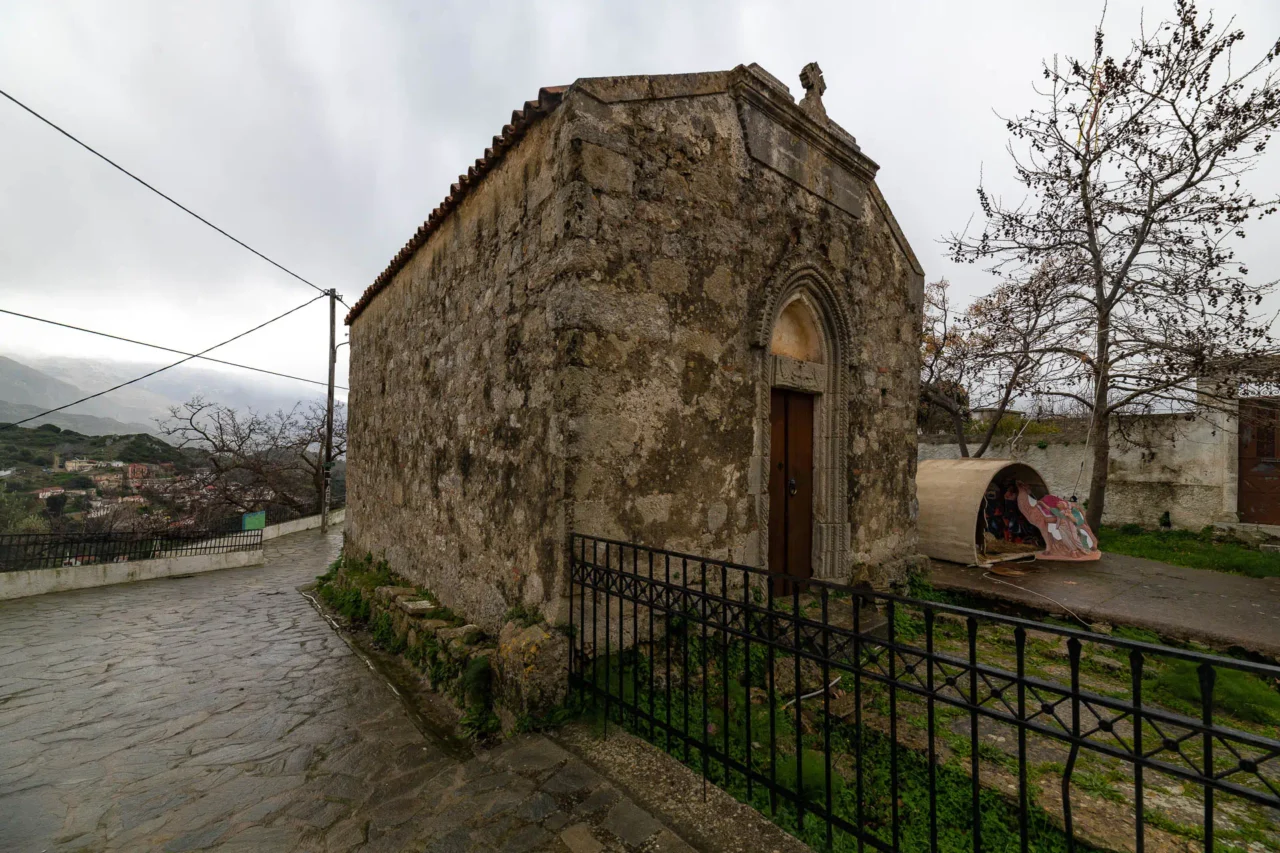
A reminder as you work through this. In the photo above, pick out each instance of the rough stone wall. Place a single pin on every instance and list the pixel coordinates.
(1159, 463)
(684, 232)
(576, 349)
(455, 471)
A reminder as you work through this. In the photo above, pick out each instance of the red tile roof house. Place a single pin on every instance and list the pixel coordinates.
(599, 328)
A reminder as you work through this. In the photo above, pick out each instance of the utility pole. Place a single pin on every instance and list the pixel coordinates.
(328, 419)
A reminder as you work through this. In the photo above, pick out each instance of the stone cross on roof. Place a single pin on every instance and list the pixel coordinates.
(814, 86)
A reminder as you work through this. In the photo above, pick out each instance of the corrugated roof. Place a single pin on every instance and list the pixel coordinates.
(521, 120)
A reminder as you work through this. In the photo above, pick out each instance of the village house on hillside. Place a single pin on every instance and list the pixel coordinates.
(673, 310)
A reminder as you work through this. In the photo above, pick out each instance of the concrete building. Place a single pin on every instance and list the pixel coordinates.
(673, 310)
(112, 480)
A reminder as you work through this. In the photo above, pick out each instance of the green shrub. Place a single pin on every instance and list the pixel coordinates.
(477, 683)
(348, 602)
(424, 653)
(479, 723)
(385, 635)
(523, 615)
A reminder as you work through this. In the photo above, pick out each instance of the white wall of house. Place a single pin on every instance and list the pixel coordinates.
(311, 522)
(1159, 463)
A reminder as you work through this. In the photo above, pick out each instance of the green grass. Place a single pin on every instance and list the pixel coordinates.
(626, 675)
(1193, 550)
(1237, 693)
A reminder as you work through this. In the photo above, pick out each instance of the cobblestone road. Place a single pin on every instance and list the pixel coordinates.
(220, 711)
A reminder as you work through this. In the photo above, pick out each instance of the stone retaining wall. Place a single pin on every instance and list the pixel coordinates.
(41, 581)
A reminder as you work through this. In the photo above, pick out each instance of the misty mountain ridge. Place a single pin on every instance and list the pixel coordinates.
(30, 384)
(83, 424)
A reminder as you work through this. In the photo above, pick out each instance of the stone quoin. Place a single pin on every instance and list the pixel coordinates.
(613, 325)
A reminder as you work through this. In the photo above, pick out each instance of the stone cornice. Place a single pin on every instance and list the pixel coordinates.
(761, 91)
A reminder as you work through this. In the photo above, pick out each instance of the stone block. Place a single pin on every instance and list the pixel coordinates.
(530, 664)
(578, 839)
(668, 842)
(631, 823)
(467, 634)
(421, 607)
(607, 170)
(391, 593)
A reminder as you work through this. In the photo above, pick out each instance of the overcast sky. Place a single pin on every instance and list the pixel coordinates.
(323, 134)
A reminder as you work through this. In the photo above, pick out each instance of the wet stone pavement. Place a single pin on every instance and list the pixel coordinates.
(220, 711)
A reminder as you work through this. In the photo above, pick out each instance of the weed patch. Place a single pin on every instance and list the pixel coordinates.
(1190, 549)
(1239, 694)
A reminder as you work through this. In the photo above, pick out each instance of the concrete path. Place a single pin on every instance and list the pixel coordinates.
(220, 711)
(1218, 609)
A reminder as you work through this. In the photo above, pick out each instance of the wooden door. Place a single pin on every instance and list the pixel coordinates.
(1259, 487)
(790, 486)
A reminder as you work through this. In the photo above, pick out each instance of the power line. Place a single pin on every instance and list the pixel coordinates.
(167, 198)
(166, 367)
(166, 349)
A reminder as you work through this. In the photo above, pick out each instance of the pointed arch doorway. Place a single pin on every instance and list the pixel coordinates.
(790, 487)
(797, 342)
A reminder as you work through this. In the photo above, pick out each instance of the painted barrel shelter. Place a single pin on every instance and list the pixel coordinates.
(952, 494)
(672, 310)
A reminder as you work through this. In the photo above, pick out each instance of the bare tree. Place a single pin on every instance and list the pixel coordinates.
(258, 460)
(987, 356)
(946, 363)
(1134, 169)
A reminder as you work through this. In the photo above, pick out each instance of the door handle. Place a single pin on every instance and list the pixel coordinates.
(791, 486)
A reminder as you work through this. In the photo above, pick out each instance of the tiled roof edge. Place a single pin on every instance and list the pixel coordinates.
(521, 120)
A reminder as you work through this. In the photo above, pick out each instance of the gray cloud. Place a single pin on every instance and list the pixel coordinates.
(323, 133)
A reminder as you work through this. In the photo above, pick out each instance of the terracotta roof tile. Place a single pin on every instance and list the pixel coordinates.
(521, 120)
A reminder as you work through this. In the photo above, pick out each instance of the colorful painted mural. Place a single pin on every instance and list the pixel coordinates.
(1062, 525)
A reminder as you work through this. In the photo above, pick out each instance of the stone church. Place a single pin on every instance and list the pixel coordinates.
(673, 310)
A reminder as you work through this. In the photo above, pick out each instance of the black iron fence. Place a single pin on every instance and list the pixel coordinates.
(861, 720)
(25, 551)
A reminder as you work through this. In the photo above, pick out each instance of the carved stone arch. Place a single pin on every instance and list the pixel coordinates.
(813, 277)
(828, 381)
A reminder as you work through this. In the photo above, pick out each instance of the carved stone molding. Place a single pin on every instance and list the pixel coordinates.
(797, 375)
(809, 280)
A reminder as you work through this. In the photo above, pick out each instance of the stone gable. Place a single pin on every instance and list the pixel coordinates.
(582, 344)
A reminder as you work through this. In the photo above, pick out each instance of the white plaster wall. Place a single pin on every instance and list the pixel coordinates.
(1185, 467)
(41, 581)
(311, 522)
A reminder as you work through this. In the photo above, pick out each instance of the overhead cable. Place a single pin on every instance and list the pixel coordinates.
(166, 349)
(166, 367)
(164, 196)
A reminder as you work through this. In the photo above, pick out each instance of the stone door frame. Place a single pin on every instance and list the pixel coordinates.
(829, 382)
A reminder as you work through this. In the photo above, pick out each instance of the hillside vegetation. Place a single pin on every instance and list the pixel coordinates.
(28, 451)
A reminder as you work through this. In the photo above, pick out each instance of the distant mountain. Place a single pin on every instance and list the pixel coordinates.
(21, 384)
(83, 424)
(240, 390)
(30, 384)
